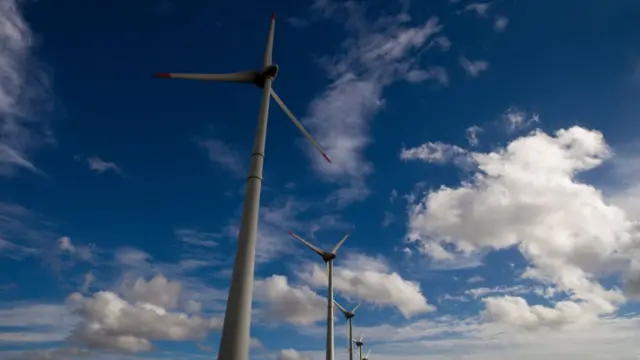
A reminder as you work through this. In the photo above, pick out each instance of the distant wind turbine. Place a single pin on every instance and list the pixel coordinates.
(366, 357)
(349, 316)
(235, 340)
(328, 259)
(359, 344)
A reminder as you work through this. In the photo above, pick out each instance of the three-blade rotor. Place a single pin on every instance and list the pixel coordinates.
(269, 70)
(326, 255)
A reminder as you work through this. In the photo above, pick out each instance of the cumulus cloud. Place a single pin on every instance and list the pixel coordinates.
(110, 322)
(526, 196)
(475, 279)
(376, 55)
(370, 279)
(297, 305)
(158, 291)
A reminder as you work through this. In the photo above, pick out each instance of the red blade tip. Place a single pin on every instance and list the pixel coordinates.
(326, 157)
(273, 15)
(290, 232)
(162, 75)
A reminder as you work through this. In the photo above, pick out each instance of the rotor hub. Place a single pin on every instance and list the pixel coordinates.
(328, 256)
(268, 72)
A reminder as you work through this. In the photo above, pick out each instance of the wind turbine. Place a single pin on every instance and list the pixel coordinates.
(349, 316)
(235, 340)
(359, 344)
(366, 357)
(328, 259)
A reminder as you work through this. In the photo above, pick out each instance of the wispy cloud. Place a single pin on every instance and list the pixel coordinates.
(480, 8)
(297, 22)
(24, 93)
(223, 155)
(500, 23)
(473, 68)
(472, 135)
(515, 119)
(377, 54)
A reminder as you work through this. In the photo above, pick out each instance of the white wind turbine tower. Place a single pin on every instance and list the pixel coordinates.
(234, 343)
(328, 259)
(349, 316)
(359, 344)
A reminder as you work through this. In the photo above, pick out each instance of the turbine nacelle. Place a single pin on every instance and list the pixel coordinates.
(359, 343)
(269, 72)
(347, 314)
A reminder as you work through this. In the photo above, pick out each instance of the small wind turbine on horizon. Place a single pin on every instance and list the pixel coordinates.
(359, 344)
(366, 357)
(235, 339)
(349, 316)
(328, 259)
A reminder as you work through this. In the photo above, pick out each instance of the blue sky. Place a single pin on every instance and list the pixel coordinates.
(484, 159)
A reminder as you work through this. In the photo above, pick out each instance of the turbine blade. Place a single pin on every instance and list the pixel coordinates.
(308, 244)
(299, 125)
(335, 249)
(249, 76)
(369, 353)
(355, 308)
(269, 49)
(344, 311)
(361, 336)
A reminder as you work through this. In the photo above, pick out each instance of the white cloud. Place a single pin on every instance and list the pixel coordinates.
(475, 279)
(198, 238)
(500, 23)
(297, 305)
(435, 72)
(484, 291)
(109, 322)
(101, 166)
(442, 42)
(393, 196)
(375, 56)
(473, 68)
(480, 8)
(472, 135)
(24, 93)
(370, 280)
(516, 120)
(158, 291)
(221, 154)
(388, 219)
(131, 257)
(66, 245)
(436, 153)
(290, 354)
(526, 196)
(89, 278)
